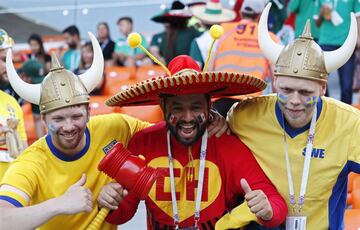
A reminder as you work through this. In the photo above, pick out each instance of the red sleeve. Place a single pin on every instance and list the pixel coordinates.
(246, 166)
(128, 207)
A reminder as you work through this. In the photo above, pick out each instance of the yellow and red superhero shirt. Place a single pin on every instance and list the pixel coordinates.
(43, 172)
(227, 161)
(336, 152)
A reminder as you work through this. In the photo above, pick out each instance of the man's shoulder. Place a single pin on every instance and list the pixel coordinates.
(335, 106)
(229, 140)
(152, 131)
(112, 120)
(254, 103)
(36, 152)
(7, 97)
(230, 147)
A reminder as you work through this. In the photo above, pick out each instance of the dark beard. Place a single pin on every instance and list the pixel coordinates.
(174, 131)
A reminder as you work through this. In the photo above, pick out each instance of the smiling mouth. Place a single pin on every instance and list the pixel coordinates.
(69, 135)
(187, 130)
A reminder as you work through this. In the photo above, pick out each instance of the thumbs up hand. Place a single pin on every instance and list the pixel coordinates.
(257, 201)
(76, 199)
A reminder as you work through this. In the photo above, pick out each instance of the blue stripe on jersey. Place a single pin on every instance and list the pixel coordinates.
(337, 201)
(74, 157)
(290, 131)
(11, 201)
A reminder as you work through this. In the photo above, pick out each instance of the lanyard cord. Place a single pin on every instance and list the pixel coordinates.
(306, 168)
(200, 181)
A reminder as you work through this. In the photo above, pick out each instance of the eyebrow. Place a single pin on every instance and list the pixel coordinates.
(179, 104)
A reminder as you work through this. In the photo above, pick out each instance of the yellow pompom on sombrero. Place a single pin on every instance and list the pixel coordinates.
(184, 76)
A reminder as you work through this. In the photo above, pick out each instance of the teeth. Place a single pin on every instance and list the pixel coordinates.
(69, 135)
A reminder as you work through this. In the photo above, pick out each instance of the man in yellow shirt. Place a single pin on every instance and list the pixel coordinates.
(311, 139)
(58, 174)
(12, 132)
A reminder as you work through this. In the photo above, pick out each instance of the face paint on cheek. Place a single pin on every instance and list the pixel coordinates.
(172, 119)
(201, 118)
(51, 128)
(282, 99)
(310, 101)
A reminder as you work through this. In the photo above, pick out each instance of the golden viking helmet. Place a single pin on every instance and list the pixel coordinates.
(303, 58)
(60, 88)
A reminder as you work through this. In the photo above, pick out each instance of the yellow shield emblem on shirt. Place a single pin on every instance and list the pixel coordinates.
(186, 181)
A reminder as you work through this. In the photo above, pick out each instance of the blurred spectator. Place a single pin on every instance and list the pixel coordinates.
(238, 49)
(4, 81)
(12, 131)
(87, 55)
(71, 57)
(277, 15)
(124, 55)
(33, 70)
(106, 43)
(304, 9)
(177, 37)
(38, 52)
(333, 18)
(209, 14)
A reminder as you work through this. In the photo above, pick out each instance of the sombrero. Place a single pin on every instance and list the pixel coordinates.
(184, 76)
(212, 12)
(177, 12)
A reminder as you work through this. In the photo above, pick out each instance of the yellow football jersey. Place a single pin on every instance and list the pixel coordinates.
(42, 172)
(8, 102)
(336, 152)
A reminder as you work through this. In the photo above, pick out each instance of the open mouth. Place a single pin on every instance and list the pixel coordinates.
(187, 130)
(69, 136)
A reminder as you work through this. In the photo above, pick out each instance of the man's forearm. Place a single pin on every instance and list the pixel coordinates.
(26, 217)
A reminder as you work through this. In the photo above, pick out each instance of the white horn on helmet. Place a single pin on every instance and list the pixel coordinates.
(29, 92)
(270, 48)
(92, 77)
(335, 59)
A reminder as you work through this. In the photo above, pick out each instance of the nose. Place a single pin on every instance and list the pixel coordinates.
(68, 125)
(295, 99)
(188, 115)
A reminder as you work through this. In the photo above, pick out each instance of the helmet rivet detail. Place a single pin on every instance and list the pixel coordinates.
(67, 100)
(299, 53)
(295, 70)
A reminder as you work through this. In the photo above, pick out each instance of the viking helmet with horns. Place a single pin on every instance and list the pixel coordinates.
(303, 58)
(60, 88)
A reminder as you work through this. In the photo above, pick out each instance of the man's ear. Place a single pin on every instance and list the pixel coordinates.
(323, 89)
(162, 104)
(163, 107)
(43, 120)
(273, 82)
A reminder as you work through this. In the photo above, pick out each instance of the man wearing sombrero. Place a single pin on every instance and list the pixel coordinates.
(202, 175)
(309, 142)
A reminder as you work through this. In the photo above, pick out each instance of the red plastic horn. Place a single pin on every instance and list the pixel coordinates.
(129, 170)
